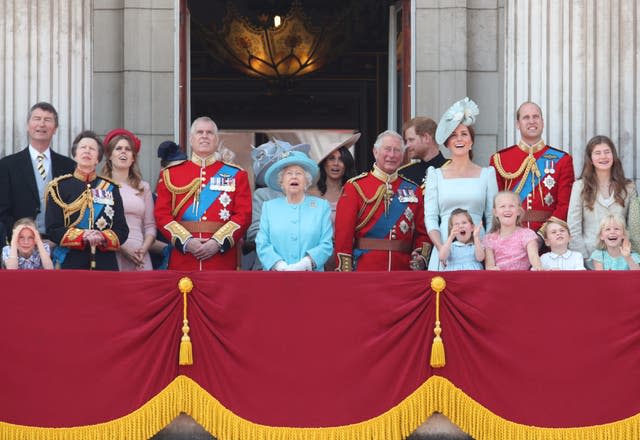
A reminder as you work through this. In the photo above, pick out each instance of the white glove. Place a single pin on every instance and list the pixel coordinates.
(303, 265)
(280, 266)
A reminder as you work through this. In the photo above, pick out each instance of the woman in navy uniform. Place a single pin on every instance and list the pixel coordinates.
(84, 212)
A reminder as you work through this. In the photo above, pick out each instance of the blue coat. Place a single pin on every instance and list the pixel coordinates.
(289, 232)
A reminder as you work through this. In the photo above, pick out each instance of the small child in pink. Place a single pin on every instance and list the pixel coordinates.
(509, 246)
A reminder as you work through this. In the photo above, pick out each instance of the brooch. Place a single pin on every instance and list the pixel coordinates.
(549, 182)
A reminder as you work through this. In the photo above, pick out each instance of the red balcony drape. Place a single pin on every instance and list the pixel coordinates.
(83, 350)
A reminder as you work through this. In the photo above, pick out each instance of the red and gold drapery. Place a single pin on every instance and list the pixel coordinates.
(320, 356)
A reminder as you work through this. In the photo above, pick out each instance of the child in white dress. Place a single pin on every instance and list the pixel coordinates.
(557, 237)
(463, 249)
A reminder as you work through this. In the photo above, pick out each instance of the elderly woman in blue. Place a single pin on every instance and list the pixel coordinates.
(295, 231)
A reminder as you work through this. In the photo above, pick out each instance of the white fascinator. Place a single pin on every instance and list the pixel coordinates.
(462, 112)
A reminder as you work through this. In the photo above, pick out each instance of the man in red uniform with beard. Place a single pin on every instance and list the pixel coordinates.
(380, 215)
(203, 205)
(541, 175)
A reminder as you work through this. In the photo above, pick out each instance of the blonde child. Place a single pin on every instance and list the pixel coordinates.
(463, 249)
(507, 245)
(557, 237)
(614, 248)
(27, 250)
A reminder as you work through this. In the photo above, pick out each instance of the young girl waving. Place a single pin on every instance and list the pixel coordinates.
(507, 245)
(614, 248)
(463, 249)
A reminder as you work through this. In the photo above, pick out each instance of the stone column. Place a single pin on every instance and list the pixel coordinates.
(459, 52)
(578, 60)
(45, 48)
(134, 73)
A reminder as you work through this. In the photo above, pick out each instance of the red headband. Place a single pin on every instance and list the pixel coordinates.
(122, 132)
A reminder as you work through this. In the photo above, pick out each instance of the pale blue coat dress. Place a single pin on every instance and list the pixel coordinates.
(441, 196)
(290, 231)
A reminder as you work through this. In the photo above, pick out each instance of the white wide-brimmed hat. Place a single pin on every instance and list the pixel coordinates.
(286, 159)
(347, 142)
(462, 112)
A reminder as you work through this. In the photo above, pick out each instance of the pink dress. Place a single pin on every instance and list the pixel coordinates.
(138, 210)
(510, 252)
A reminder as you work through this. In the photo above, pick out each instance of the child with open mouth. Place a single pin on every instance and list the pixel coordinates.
(463, 249)
(614, 248)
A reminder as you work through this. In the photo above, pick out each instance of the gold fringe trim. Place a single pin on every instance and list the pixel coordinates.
(142, 423)
(437, 394)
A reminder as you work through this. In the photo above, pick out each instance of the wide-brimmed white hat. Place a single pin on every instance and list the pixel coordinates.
(462, 112)
(286, 159)
(268, 153)
(347, 142)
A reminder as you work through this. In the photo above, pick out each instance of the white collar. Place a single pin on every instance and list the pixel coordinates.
(35, 153)
(564, 256)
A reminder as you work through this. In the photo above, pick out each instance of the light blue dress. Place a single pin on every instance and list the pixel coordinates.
(612, 263)
(441, 196)
(462, 256)
(291, 231)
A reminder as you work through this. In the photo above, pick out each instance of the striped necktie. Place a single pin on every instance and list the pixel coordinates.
(41, 170)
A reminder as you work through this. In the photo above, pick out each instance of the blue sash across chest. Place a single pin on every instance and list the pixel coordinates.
(384, 223)
(550, 156)
(208, 196)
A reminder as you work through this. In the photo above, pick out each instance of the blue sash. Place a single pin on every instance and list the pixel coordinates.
(60, 253)
(527, 188)
(207, 195)
(385, 222)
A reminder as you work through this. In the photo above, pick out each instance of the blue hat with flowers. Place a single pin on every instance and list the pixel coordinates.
(286, 159)
(462, 112)
(266, 155)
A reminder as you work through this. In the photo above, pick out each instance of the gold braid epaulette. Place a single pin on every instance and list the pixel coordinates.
(83, 202)
(527, 165)
(192, 189)
(377, 198)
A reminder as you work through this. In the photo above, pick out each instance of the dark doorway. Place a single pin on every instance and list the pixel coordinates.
(349, 92)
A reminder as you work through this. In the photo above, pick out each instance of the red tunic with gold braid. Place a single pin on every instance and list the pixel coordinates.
(541, 175)
(361, 243)
(203, 199)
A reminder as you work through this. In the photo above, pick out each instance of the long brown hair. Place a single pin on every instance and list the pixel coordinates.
(590, 180)
(135, 177)
(472, 134)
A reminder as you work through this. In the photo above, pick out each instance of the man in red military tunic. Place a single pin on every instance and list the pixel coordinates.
(541, 175)
(203, 205)
(380, 215)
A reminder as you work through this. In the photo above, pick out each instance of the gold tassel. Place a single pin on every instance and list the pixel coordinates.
(438, 359)
(186, 352)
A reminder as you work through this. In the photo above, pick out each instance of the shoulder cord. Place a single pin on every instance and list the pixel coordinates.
(528, 165)
(377, 198)
(80, 205)
(192, 189)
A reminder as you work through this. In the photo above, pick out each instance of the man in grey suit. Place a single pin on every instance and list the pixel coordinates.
(25, 175)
